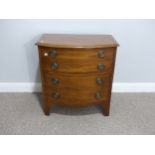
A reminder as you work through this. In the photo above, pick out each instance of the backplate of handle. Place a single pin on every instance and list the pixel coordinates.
(100, 53)
(55, 81)
(100, 67)
(99, 80)
(53, 53)
(56, 95)
(54, 66)
(98, 95)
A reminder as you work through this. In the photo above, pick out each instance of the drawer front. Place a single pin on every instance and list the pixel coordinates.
(79, 90)
(77, 60)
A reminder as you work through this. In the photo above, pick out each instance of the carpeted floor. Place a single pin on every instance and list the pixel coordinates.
(21, 113)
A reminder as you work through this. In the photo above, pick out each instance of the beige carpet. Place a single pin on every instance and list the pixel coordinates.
(21, 113)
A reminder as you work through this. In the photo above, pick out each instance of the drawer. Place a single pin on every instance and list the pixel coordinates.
(77, 60)
(76, 99)
(78, 81)
(79, 90)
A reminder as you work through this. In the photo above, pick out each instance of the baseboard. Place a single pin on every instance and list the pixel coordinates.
(20, 87)
(133, 87)
(117, 87)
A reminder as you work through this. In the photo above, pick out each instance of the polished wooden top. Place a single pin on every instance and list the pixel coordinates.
(77, 41)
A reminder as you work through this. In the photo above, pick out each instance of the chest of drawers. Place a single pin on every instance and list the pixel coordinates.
(76, 70)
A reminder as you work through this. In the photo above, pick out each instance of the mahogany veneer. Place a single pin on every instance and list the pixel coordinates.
(77, 70)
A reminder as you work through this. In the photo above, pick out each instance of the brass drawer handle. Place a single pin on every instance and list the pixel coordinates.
(55, 81)
(99, 81)
(98, 95)
(53, 53)
(56, 95)
(100, 67)
(100, 53)
(54, 66)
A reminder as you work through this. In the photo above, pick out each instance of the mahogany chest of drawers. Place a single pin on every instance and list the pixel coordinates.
(77, 70)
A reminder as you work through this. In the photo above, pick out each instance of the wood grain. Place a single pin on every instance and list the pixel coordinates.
(77, 59)
(77, 41)
(77, 90)
(76, 81)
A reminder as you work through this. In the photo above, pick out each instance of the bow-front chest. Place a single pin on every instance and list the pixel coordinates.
(77, 70)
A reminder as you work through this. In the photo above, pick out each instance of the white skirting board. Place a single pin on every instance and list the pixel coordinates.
(20, 87)
(117, 87)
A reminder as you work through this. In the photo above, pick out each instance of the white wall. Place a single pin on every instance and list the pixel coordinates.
(135, 59)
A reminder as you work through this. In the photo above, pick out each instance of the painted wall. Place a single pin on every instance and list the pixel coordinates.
(135, 59)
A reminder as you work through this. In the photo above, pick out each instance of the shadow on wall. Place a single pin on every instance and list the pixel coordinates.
(33, 62)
